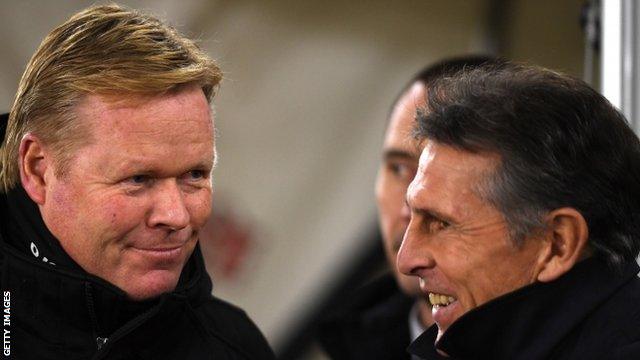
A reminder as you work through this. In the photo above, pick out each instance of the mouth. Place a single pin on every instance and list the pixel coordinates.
(445, 309)
(164, 253)
(440, 300)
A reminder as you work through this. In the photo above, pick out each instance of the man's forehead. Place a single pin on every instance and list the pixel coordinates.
(449, 161)
(412, 99)
(446, 177)
(150, 124)
(123, 101)
(399, 134)
(126, 108)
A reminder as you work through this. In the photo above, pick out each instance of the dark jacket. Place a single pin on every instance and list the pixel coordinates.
(372, 324)
(592, 312)
(61, 312)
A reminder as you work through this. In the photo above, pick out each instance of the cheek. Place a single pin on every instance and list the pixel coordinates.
(64, 199)
(380, 188)
(66, 208)
(518, 270)
(486, 276)
(390, 201)
(465, 270)
(388, 226)
(199, 206)
(118, 215)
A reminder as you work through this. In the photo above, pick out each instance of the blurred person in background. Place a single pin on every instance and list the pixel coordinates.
(106, 182)
(525, 219)
(382, 318)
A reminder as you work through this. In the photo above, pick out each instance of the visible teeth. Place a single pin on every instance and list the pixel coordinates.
(440, 300)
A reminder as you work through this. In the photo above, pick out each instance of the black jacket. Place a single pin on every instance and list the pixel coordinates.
(372, 324)
(61, 312)
(592, 312)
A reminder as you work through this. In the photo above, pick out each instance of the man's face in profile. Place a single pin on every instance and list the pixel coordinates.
(399, 164)
(133, 200)
(458, 243)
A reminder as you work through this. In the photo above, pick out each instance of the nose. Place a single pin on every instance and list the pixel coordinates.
(169, 209)
(414, 256)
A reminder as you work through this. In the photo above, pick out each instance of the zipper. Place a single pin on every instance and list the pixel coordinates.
(101, 341)
(88, 295)
(108, 343)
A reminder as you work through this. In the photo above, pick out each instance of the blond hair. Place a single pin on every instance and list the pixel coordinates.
(104, 50)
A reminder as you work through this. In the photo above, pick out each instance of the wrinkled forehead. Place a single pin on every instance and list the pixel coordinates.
(450, 164)
(178, 111)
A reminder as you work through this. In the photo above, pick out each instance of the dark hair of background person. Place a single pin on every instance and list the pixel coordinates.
(561, 144)
(446, 67)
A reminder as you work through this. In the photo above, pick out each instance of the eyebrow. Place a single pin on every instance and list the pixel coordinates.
(397, 154)
(136, 164)
(435, 214)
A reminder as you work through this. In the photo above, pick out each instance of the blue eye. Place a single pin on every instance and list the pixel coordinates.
(139, 179)
(196, 174)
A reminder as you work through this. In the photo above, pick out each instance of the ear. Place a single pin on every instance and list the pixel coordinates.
(566, 241)
(33, 161)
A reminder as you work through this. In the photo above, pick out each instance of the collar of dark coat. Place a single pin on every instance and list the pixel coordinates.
(530, 322)
(25, 230)
(370, 323)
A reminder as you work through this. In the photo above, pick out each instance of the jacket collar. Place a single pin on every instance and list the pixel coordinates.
(375, 312)
(529, 322)
(26, 231)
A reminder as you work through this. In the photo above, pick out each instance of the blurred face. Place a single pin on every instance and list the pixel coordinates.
(457, 243)
(399, 163)
(130, 207)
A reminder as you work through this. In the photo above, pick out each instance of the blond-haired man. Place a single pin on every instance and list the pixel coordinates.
(106, 182)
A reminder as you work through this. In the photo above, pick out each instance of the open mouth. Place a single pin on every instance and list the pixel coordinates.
(440, 300)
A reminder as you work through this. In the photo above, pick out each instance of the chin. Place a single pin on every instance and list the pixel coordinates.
(152, 285)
